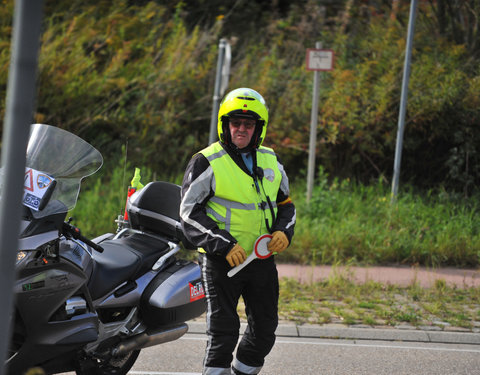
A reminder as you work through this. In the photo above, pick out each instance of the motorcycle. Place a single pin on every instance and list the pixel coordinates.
(90, 305)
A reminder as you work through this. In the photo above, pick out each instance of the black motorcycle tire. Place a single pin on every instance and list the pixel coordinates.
(114, 366)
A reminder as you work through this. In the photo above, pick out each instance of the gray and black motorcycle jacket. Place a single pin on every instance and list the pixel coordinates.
(199, 186)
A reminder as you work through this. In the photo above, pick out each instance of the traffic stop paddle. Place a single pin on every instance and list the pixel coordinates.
(260, 251)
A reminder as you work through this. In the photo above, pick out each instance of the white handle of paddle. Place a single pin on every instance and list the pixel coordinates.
(234, 270)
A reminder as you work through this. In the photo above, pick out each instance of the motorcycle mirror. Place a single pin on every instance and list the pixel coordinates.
(48, 194)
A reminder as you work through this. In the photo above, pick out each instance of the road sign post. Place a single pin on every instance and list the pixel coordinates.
(317, 60)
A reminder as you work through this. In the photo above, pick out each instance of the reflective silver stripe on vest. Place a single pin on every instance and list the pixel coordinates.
(232, 204)
(216, 155)
(274, 204)
(229, 205)
(215, 214)
(245, 368)
(264, 151)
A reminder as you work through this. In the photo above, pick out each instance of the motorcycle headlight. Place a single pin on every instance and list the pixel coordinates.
(20, 256)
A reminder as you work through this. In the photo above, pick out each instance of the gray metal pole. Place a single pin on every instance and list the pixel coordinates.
(227, 61)
(313, 130)
(403, 100)
(216, 94)
(18, 117)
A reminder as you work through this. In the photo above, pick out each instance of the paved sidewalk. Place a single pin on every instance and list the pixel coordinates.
(402, 276)
(340, 331)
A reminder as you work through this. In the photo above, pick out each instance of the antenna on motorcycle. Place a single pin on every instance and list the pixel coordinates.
(125, 167)
(121, 220)
(135, 185)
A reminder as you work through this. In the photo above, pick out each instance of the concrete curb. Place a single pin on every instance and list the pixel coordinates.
(338, 331)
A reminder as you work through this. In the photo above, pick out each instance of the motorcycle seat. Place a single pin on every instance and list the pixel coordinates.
(123, 259)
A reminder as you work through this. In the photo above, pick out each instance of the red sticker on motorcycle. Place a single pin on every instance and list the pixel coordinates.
(196, 291)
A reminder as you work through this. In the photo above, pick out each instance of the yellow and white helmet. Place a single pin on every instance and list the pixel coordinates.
(243, 102)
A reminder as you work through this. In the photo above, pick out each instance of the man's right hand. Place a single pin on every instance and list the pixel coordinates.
(236, 256)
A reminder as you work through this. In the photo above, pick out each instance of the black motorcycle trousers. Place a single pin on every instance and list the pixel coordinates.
(257, 284)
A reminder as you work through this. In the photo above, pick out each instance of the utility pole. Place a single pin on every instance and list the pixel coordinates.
(18, 117)
(403, 101)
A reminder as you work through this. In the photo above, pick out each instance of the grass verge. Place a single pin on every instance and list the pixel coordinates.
(346, 222)
(340, 300)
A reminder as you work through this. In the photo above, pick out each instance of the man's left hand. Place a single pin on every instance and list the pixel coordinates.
(278, 243)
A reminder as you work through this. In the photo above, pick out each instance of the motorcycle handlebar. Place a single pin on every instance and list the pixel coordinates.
(75, 233)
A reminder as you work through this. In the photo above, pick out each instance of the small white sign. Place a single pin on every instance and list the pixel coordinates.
(34, 187)
(319, 59)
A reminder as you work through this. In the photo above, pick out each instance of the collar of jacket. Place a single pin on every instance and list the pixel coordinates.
(234, 153)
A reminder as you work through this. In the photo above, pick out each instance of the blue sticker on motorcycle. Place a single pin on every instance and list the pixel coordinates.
(43, 181)
(35, 186)
(31, 201)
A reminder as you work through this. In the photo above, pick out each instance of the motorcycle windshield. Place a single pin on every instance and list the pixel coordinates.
(65, 157)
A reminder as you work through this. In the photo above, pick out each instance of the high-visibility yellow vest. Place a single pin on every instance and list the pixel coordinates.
(238, 206)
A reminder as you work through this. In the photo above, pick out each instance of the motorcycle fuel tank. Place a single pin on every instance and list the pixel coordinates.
(174, 296)
(76, 252)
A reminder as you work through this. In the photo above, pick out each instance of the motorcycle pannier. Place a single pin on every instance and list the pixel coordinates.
(155, 208)
(174, 296)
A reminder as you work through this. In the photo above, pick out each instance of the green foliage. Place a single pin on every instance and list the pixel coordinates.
(103, 198)
(350, 222)
(119, 72)
(142, 73)
(344, 223)
(360, 114)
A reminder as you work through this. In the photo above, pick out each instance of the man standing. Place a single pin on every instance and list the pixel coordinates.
(233, 192)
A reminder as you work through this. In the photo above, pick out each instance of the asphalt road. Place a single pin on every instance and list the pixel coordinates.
(312, 356)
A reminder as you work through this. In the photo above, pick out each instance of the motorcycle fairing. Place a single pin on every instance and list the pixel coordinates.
(41, 312)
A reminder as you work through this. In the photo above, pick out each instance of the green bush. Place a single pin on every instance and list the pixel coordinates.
(142, 73)
(349, 222)
(344, 223)
(103, 197)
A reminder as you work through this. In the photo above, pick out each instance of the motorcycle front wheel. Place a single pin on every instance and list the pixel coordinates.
(114, 366)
